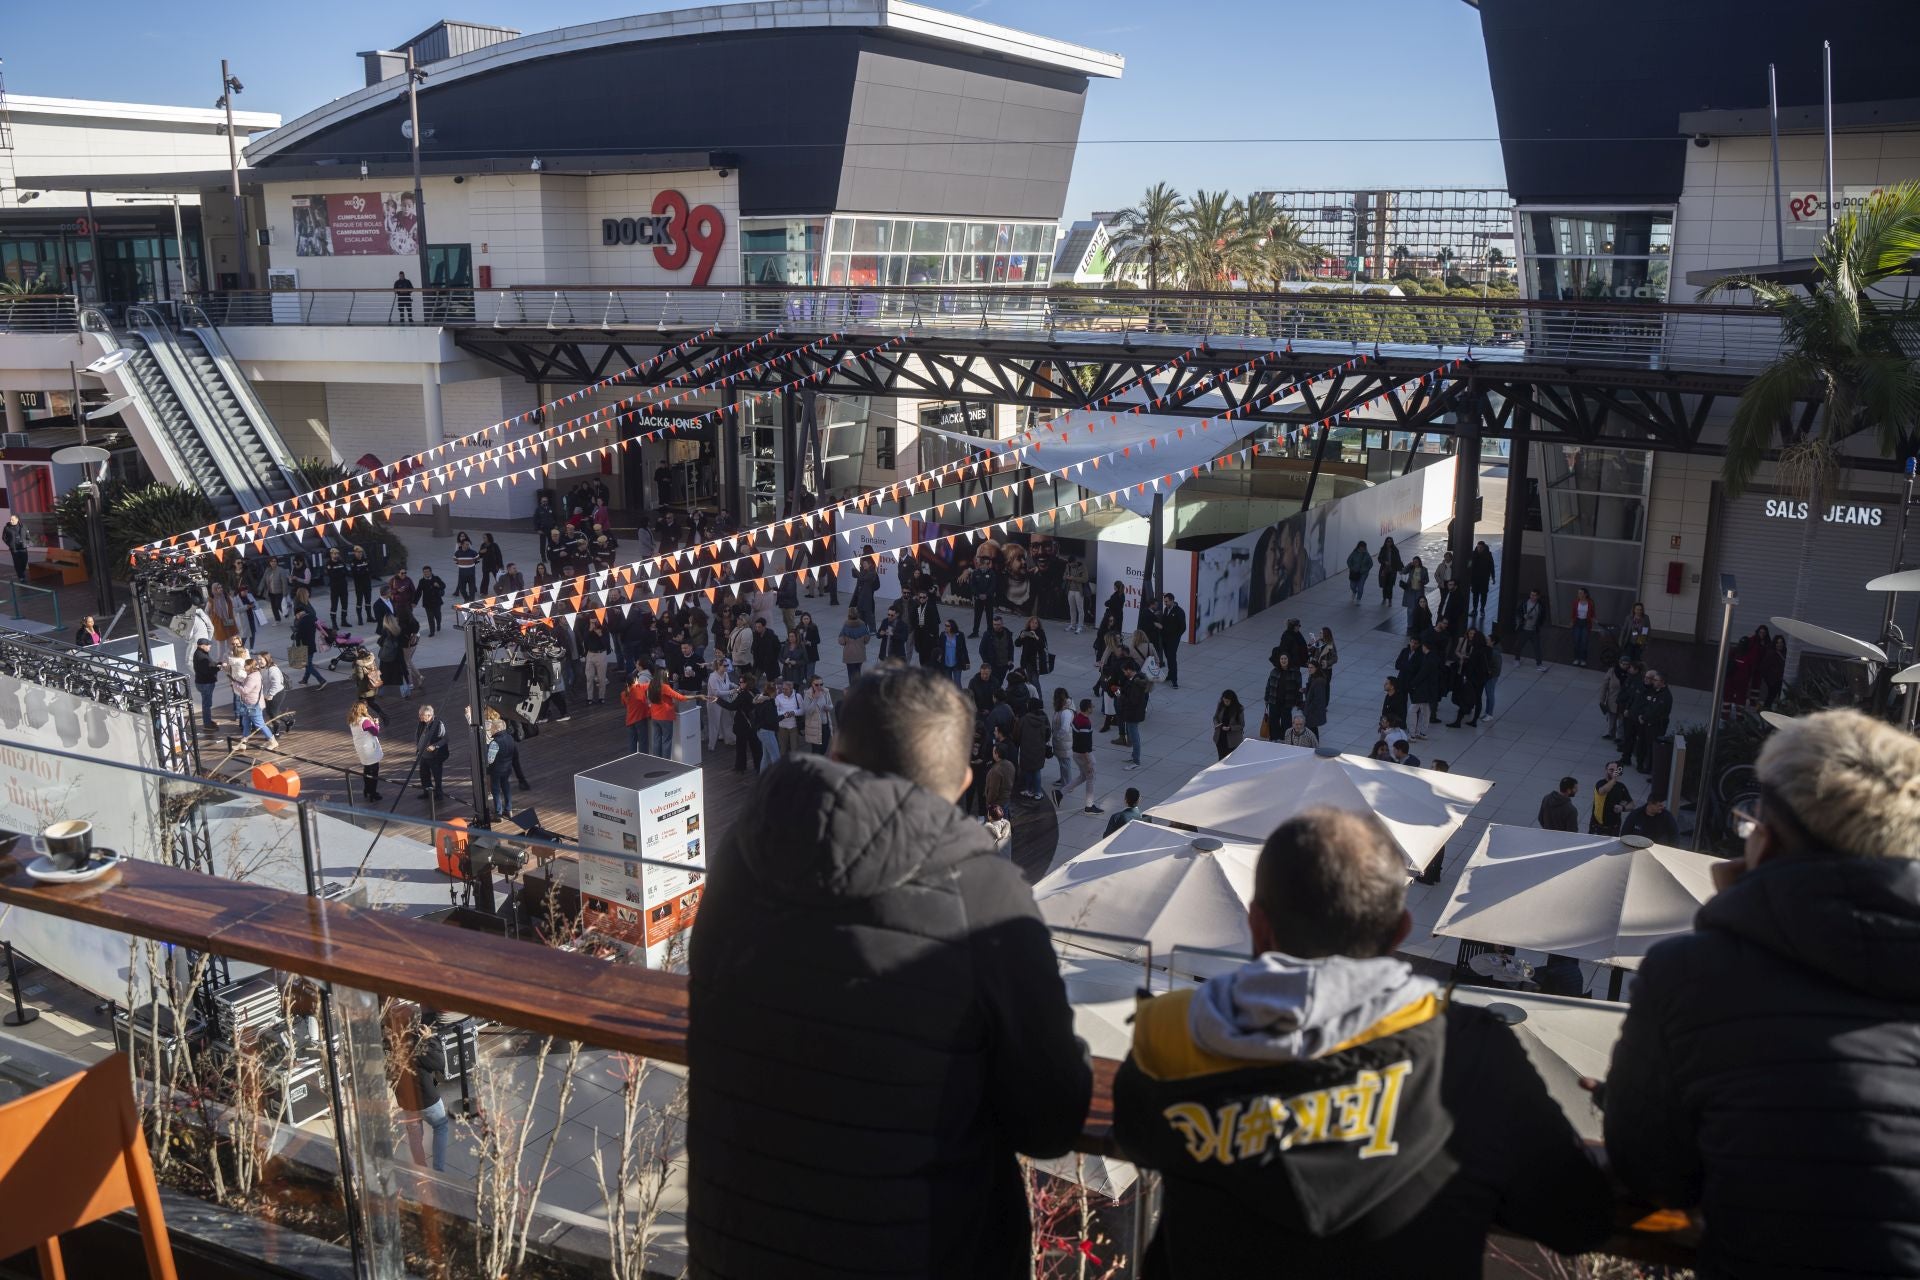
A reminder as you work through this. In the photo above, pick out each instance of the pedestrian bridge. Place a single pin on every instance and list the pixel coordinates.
(1722, 342)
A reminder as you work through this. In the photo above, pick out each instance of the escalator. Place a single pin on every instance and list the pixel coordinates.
(172, 421)
(223, 410)
(250, 436)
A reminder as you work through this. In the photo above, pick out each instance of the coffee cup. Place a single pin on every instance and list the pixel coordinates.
(69, 843)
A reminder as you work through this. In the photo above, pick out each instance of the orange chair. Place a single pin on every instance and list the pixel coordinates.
(71, 1154)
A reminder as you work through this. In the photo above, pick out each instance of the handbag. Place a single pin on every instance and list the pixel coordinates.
(1046, 662)
(1266, 728)
(297, 656)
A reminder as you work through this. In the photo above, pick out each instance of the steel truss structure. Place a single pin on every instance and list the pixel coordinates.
(1659, 410)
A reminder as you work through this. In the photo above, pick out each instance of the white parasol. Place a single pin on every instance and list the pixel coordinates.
(1590, 897)
(1262, 784)
(1565, 1038)
(1165, 887)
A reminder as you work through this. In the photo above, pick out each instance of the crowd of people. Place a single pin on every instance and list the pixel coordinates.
(1322, 1103)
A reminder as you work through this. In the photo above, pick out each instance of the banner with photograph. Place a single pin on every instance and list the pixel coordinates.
(357, 224)
(1235, 580)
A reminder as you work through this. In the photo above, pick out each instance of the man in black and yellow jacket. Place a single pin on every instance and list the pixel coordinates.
(1322, 1111)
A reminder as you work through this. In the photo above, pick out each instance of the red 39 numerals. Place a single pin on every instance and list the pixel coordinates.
(700, 228)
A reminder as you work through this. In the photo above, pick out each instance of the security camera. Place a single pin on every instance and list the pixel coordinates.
(1702, 140)
(726, 173)
(459, 178)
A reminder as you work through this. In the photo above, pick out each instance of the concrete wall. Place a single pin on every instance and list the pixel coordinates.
(1725, 216)
(299, 410)
(529, 229)
(917, 141)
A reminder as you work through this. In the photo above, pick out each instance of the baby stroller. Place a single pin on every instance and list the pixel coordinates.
(346, 648)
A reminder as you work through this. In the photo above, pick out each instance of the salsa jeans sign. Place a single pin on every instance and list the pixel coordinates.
(674, 232)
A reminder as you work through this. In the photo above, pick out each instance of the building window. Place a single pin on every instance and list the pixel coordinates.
(1579, 255)
(890, 252)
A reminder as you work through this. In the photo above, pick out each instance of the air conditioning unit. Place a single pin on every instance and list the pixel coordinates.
(13, 440)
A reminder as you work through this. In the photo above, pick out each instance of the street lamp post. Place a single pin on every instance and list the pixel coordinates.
(414, 76)
(1728, 599)
(230, 85)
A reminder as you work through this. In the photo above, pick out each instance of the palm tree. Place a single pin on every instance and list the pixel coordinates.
(1149, 231)
(1216, 243)
(1842, 343)
(1402, 252)
(1278, 251)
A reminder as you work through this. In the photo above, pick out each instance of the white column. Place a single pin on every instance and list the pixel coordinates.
(434, 432)
(16, 415)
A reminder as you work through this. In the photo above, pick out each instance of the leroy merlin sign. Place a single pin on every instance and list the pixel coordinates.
(674, 232)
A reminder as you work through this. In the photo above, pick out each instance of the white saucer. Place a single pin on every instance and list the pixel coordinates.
(97, 866)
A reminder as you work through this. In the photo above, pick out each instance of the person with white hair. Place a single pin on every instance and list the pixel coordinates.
(1766, 1074)
(1297, 734)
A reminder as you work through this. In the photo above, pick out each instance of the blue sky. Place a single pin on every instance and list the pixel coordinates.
(1196, 70)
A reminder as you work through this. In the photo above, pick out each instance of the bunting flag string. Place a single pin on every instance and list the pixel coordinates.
(534, 614)
(644, 568)
(353, 484)
(341, 519)
(513, 450)
(547, 600)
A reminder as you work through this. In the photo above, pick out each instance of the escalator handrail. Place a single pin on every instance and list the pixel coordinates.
(94, 321)
(149, 324)
(195, 321)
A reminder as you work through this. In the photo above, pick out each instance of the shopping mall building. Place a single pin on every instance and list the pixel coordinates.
(1645, 178)
(804, 142)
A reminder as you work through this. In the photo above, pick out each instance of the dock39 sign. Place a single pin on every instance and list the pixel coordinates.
(675, 233)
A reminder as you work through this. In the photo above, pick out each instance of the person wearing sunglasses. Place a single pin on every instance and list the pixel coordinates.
(1767, 1068)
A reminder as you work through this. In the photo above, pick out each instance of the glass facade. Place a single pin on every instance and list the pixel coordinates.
(777, 251)
(938, 251)
(1624, 255)
(843, 441)
(135, 265)
(1595, 520)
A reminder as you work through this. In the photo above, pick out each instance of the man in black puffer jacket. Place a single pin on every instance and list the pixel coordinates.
(877, 1022)
(1770, 1062)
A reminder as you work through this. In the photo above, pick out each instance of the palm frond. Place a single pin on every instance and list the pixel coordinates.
(1768, 401)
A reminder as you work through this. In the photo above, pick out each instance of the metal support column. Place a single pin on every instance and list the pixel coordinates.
(1466, 481)
(477, 721)
(727, 442)
(1513, 535)
(1313, 476)
(1153, 574)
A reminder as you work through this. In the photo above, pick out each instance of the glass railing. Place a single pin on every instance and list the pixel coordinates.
(386, 1046)
(357, 1060)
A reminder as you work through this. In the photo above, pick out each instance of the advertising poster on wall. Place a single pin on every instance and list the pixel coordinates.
(1235, 580)
(888, 537)
(646, 815)
(1126, 562)
(358, 224)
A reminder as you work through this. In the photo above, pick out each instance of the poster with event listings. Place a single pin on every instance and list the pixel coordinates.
(357, 224)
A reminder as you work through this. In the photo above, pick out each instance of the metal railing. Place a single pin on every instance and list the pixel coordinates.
(1615, 334)
(39, 313)
(13, 600)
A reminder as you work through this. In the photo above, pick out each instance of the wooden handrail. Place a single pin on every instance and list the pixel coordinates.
(558, 993)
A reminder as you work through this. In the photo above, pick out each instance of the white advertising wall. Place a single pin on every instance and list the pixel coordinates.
(1126, 562)
(38, 788)
(647, 815)
(887, 537)
(1237, 579)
